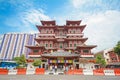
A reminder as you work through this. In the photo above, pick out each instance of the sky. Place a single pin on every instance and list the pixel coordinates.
(102, 17)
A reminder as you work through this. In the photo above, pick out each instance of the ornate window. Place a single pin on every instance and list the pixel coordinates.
(46, 45)
(86, 51)
(47, 32)
(70, 45)
(50, 45)
(74, 45)
(105, 53)
(61, 46)
(35, 51)
(114, 59)
(74, 32)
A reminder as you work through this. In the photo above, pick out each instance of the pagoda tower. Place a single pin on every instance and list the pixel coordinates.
(58, 39)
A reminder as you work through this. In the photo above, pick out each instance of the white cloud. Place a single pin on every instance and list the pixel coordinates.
(27, 16)
(78, 3)
(27, 19)
(102, 23)
(103, 29)
(33, 17)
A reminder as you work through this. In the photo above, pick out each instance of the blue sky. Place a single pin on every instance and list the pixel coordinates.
(101, 16)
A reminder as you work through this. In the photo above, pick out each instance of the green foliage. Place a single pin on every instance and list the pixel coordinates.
(117, 48)
(21, 61)
(37, 62)
(100, 61)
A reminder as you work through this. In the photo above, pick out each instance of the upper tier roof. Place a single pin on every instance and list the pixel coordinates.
(86, 46)
(68, 22)
(48, 22)
(35, 47)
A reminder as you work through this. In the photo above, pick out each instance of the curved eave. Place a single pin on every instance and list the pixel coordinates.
(39, 27)
(82, 39)
(87, 46)
(48, 22)
(45, 26)
(44, 39)
(73, 22)
(38, 40)
(82, 27)
(35, 47)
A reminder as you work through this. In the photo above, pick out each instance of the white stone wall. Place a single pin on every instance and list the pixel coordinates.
(106, 55)
(87, 65)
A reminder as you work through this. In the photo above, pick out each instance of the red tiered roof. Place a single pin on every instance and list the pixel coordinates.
(77, 26)
(44, 39)
(39, 27)
(86, 46)
(82, 39)
(82, 27)
(48, 22)
(68, 22)
(35, 47)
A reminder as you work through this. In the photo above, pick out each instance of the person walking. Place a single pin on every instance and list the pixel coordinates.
(55, 68)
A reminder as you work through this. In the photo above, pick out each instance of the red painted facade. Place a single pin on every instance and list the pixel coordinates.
(113, 57)
(68, 37)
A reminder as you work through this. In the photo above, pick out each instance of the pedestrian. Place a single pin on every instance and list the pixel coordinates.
(55, 68)
(66, 68)
(50, 67)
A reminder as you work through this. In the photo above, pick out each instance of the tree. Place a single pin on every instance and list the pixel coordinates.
(21, 61)
(117, 48)
(37, 62)
(100, 61)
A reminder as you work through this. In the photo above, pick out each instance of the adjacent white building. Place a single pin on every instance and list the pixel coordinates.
(13, 45)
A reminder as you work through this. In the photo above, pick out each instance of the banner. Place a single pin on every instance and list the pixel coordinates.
(53, 61)
(61, 61)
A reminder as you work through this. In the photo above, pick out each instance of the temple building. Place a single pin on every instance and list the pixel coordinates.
(62, 45)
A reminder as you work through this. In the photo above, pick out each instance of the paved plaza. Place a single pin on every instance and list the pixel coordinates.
(57, 77)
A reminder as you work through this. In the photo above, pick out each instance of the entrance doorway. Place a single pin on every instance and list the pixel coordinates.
(77, 66)
(43, 65)
(61, 65)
